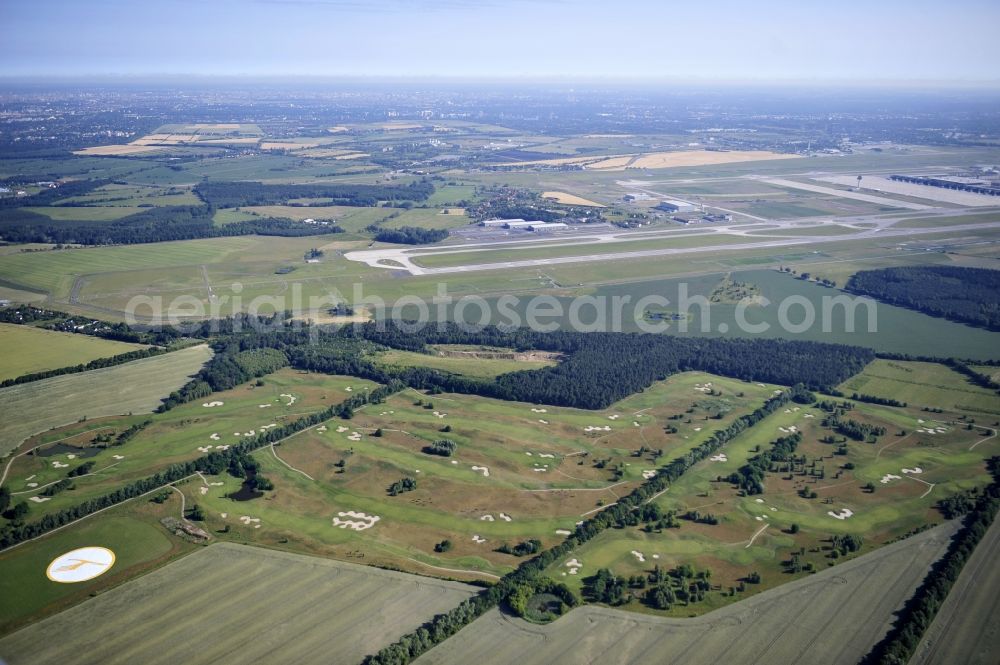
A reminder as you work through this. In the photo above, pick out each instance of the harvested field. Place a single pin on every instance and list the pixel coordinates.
(228, 599)
(832, 617)
(118, 150)
(135, 387)
(571, 199)
(967, 627)
(666, 160)
(27, 349)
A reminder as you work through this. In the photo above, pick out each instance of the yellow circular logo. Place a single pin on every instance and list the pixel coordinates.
(80, 565)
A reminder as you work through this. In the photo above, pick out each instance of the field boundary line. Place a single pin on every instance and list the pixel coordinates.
(454, 570)
(579, 489)
(275, 453)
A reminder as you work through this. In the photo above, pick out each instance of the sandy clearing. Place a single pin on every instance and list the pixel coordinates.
(571, 199)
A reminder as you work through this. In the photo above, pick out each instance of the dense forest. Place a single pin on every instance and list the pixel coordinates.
(598, 368)
(966, 295)
(235, 194)
(410, 235)
(151, 225)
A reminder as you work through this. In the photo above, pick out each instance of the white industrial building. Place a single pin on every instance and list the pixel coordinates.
(544, 227)
(519, 224)
(500, 222)
(674, 205)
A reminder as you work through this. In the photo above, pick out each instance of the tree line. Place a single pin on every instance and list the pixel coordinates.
(159, 224)
(236, 194)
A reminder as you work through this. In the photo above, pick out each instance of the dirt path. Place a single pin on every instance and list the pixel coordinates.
(275, 453)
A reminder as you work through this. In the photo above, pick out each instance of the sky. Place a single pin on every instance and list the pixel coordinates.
(708, 40)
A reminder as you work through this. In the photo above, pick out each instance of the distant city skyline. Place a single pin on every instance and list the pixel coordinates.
(850, 41)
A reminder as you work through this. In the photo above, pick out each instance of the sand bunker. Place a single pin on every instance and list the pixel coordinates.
(534, 410)
(354, 436)
(915, 469)
(440, 415)
(214, 436)
(505, 517)
(888, 478)
(574, 566)
(697, 429)
(264, 406)
(649, 473)
(119, 457)
(59, 465)
(486, 518)
(349, 389)
(544, 422)
(211, 404)
(563, 532)
(639, 555)
(321, 428)
(204, 449)
(246, 519)
(291, 398)
(39, 499)
(615, 417)
(341, 429)
(591, 428)
(635, 424)
(476, 539)
(360, 521)
(842, 515)
(547, 455)
(32, 484)
(809, 415)
(721, 457)
(484, 469)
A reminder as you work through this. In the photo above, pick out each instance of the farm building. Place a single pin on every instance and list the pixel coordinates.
(545, 227)
(673, 205)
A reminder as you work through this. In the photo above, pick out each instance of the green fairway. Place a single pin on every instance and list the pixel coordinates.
(27, 349)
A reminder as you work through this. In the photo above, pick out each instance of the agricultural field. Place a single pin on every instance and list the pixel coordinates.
(518, 472)
(967, 625)
(135, 387)
(28, 349)
(924, 385)
(838, 486)
(227, 598)
(831, 618)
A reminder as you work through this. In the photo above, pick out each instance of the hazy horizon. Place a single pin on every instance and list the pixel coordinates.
(894, 42)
